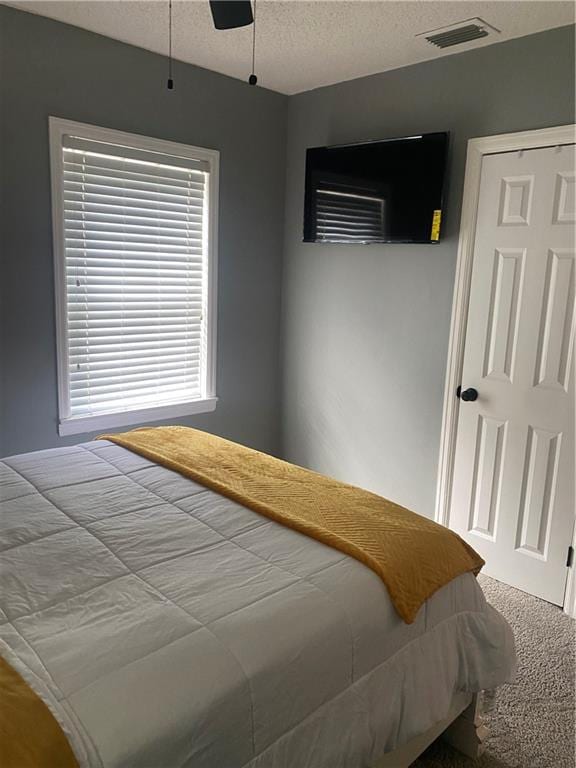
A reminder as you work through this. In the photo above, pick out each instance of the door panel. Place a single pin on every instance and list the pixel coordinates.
(486, 484)
(555, 342)
(538, 491)
(503, 315)
(512, 494)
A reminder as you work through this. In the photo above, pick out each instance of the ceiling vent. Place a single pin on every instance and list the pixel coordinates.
(461, 32)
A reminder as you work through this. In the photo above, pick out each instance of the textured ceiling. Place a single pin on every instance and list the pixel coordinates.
(304, 44)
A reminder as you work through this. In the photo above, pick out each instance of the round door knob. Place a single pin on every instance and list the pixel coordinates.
(469, 395)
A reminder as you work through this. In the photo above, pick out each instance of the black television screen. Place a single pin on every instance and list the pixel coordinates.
(376, 192)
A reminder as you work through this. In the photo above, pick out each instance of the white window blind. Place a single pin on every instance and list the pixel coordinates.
(135, 257)
(348, 216)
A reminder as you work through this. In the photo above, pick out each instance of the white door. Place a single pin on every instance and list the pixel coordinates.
(512, 493)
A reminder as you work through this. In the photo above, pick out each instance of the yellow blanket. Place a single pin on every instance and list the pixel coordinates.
(413, 556)
(30, 737)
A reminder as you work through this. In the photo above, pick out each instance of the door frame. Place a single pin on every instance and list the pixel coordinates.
(477, 149)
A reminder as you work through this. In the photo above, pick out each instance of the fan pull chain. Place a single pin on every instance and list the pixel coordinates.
(170, 83)
(253, 79)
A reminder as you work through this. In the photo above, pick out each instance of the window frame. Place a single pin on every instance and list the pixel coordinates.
(70, 425)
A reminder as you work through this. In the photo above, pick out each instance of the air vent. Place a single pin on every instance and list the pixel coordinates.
(461, 32)
(457, 36)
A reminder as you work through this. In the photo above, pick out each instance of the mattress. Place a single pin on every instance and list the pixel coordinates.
(165, 625)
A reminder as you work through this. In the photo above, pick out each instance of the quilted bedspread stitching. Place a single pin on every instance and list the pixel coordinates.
(178, 504)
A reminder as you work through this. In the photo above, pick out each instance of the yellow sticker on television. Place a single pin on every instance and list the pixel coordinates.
(436, 219)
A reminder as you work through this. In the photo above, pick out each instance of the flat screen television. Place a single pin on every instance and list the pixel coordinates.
(387, 191)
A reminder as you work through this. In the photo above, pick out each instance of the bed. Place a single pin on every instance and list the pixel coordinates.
(167, 626)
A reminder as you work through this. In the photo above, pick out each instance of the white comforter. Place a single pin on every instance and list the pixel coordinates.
(167, 626)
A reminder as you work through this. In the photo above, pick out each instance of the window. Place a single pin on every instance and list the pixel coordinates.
(135, 255)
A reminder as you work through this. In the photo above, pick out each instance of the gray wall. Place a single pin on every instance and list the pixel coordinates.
(366, 327)
(48, 68)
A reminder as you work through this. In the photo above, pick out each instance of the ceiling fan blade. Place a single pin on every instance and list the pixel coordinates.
(229, 14)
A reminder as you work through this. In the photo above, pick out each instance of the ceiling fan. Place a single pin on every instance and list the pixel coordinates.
(231, 14)
(226, 14)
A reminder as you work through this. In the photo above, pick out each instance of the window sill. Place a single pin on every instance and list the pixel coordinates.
(81, 425)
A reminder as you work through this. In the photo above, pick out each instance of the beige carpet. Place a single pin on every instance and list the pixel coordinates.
(532, 721)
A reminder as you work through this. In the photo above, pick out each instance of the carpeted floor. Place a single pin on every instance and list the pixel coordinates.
(532, 721)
